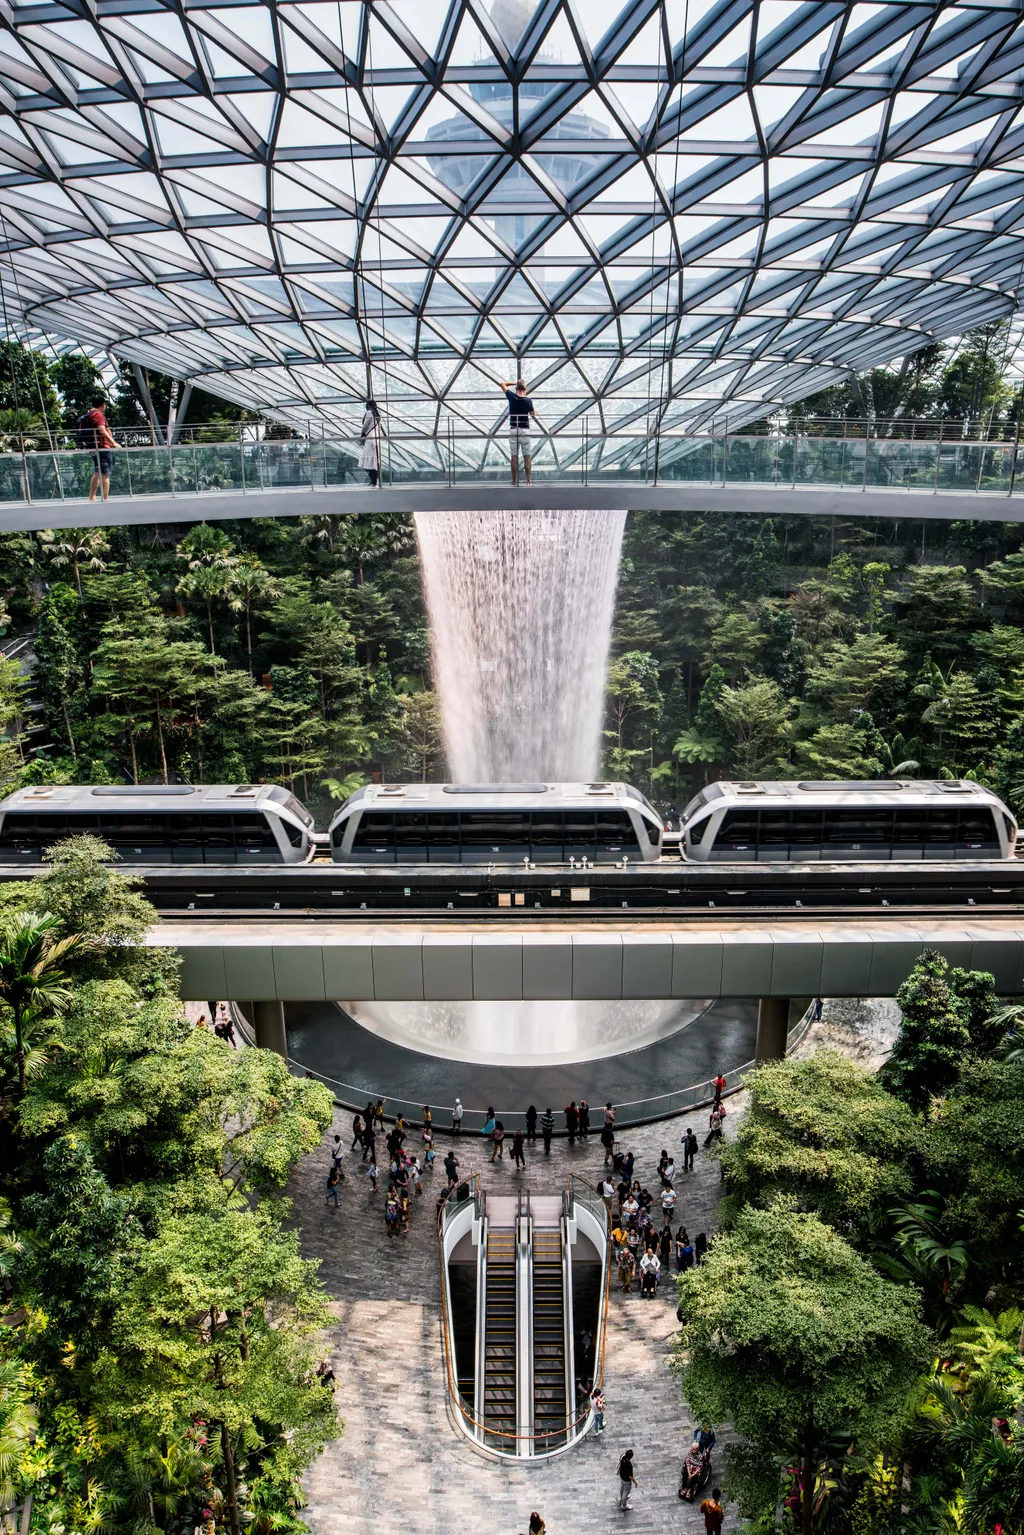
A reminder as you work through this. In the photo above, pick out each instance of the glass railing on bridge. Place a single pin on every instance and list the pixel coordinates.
(34, 470)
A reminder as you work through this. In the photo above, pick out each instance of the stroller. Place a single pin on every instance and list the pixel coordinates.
(696, 1474)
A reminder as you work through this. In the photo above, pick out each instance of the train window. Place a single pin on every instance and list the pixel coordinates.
(579, 834)
(977, 828)
(24, 835)
(294, 833)
(910, 827)
(738, 829)
(485, 828)
(218, 837)
(411, 836)
(252, 833)
(696, 832)
(805, 831)
(443, 836)
(374, 832)
(127, 830)
(774, 830)
(614, 834)
(546, 830)
(856, 829)
(941, 830)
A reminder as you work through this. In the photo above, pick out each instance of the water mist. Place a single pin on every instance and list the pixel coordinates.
(521, 607)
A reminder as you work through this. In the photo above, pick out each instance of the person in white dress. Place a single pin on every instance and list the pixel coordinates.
(369, 456)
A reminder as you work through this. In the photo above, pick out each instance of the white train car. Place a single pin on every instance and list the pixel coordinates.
(542, 823)
(161, 823)
(866, 821)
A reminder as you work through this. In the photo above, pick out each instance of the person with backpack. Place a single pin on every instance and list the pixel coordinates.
(92, 432)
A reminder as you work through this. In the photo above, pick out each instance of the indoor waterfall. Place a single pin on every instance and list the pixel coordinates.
(521, 607)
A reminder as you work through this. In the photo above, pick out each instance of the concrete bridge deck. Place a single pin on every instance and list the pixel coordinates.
(670, 496)
(317, 959)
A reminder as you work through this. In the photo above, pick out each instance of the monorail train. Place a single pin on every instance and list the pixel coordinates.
(161, 823)
(544, 823)
(869, 821)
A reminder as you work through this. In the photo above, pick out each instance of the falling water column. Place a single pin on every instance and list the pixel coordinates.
(521, 607)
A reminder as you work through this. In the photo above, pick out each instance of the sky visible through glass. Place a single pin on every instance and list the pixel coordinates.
(664, 213)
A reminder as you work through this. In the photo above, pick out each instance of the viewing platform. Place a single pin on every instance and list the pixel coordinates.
(852, 476)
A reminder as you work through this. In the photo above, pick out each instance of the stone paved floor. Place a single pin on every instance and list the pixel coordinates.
(399, 1463)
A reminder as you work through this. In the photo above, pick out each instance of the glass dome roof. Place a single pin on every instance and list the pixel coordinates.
(659, 211)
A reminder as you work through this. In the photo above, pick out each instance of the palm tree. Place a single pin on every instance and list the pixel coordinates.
(73, 545)
(31, 977)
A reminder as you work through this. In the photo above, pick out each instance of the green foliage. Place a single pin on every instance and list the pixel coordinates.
(823, 1133)
(166, 1328)
(941, 1027)
(784, 1329)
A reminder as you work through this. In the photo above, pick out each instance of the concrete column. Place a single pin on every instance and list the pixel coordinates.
(772, 1028)
(268, 1022)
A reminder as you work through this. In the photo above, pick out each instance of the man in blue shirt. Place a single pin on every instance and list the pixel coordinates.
(520, 409)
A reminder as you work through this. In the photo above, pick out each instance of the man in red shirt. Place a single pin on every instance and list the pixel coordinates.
(93, 427)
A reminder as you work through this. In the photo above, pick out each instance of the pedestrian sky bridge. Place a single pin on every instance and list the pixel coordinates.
(899, 478)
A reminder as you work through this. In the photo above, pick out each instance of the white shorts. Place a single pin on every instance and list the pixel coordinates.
(519, 439)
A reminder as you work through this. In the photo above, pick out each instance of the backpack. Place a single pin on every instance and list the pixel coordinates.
(85, 433)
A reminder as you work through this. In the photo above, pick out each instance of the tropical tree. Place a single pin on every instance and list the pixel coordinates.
(33, 978)
(784, 1326)
(75, 547)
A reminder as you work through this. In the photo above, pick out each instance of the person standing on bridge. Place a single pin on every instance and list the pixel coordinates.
(369, 443)
(520, 409)
(92, 431)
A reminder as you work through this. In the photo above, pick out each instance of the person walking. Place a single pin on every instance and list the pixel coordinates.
(457, 1117)
(606, 1189)
(428, 1123)
(627, 1479)
(520, 409)
(719, 1085)
(584, 1110)
(597, 1403)
(572, 1121)
(689, 1145)
(369, 443)
(358, 1129)
(547, 1129)
(371, 1173)
(536, 1525)
(518, 1153)
(700, 1247)
(451, 1167)
(92, 431)
(818, 1008)
(713, 1512)
(668, 1202)
(714, 1126)
(531, 1123)
(608, 1142)
(650, 1268)
(369, 1145)
(333, 1180)
(627, 1268)
(497, 1140)
(337, 1157)
(609, 1115)
(392, 1211)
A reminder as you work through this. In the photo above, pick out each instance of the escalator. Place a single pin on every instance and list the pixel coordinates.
(549, 1404)
(499, 1361)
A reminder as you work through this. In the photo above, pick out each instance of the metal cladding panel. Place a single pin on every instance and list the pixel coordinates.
(696, 965)
(348, 967)
(249, 971)
(892, 960)
(299, 968)
(397, 968)
(957, 949)
(747, 965)
(498, 968)
(1002, 958)
(547, 967)
(647, 965)
(202, 973)
(447, 968)
(796, 965)
(597, 965)
(846, 965)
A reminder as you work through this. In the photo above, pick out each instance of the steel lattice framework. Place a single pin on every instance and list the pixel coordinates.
(663, 211)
